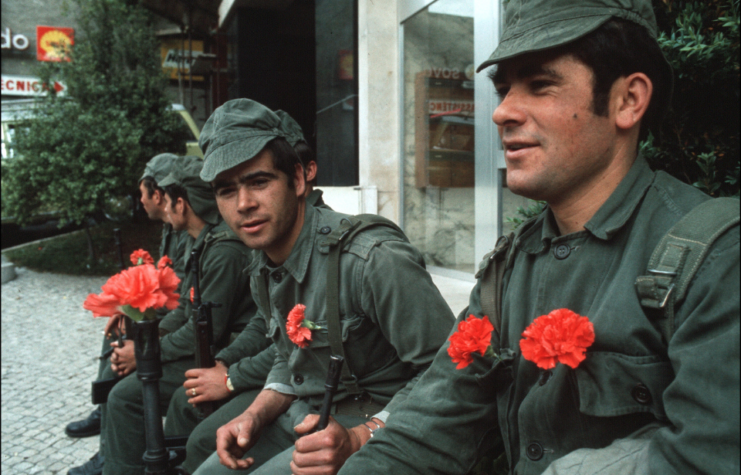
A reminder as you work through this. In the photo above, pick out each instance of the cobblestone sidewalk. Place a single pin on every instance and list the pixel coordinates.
(48, 345)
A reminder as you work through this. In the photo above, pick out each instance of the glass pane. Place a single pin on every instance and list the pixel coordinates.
(439, 134)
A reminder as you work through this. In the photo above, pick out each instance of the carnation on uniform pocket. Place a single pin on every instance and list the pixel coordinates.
(298, 328)
(473, 336)
(561, 336)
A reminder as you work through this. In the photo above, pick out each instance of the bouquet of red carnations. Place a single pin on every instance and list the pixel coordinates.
(137, 291)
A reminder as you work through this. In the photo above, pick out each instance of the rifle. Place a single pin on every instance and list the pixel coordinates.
(330, 388)
(204, 329)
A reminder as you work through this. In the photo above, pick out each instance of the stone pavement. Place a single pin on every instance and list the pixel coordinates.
(48, 345)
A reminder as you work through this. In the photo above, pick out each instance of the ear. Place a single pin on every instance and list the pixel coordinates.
(311, 171)
(158, 198)
(633, 95)
(299, 180)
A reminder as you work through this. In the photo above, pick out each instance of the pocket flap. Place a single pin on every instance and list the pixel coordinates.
(613, 384)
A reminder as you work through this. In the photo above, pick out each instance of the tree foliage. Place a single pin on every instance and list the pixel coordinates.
(91, 144)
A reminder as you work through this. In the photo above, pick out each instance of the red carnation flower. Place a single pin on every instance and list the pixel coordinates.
(140, 256)
(192, 293)
(163, 262)
(561, 336)
(473, 336)
(298, 328)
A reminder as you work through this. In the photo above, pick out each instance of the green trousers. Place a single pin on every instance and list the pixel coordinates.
(122, 426)
(182, 419)
(274, 450)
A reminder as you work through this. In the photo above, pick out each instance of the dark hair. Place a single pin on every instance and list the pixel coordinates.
(285, 157)
(151, 186)
(305, 154)
(618, 49)
(175, 191)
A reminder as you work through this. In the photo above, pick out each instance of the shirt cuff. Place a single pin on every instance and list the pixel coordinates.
(382, 416)
(283, 389)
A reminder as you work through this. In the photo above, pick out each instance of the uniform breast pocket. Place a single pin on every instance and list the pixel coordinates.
(613, 384)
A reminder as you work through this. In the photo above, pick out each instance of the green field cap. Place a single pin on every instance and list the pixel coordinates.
(293, 131)
(187, 174)
(536, 25)
(159, 166)
(235, 133)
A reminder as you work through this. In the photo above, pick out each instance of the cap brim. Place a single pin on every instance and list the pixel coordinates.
(555, 34)
(232, 154)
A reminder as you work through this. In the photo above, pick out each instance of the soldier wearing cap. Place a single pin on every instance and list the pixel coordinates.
(172, 245)
(190, 207)
(389, 336)
(581, 82)
(243, 371)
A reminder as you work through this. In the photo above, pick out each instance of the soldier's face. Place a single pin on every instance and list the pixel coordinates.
(555, 147)
(258, 204)
(175, 213)
(153, 205)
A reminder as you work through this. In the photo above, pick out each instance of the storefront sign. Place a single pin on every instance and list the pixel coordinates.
(27, 86)
(453, 107)
(175, 55)
(11, 41)
(444, 73)
(54, 43)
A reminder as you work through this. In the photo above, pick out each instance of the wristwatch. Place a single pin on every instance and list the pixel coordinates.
(228, 382)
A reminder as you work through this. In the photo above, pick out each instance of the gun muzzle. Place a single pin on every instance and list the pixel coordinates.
(330, 388)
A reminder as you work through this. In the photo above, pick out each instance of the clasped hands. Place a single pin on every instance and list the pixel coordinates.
(209, 384)
(323, 452)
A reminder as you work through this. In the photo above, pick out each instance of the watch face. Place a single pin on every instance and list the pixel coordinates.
(229, 385)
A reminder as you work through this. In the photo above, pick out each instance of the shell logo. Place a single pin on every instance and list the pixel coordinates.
(54, 43)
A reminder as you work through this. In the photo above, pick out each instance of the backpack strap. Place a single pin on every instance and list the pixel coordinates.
(492, 277)
(336, 240)
(679, 255)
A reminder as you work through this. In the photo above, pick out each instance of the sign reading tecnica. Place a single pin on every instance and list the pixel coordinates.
(27, 86)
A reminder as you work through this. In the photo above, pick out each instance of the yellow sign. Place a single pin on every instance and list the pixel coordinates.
(176, 57)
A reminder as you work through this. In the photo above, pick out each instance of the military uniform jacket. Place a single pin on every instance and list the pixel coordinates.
(222, 280)
(392, 316)
(630, 377)
(173, 246)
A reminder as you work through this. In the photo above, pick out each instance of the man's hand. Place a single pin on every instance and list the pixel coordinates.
(208, 383)
(123, 360)
(325, 452)
(234, 439)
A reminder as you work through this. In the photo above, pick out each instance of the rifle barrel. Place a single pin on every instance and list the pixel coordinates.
(330, 388)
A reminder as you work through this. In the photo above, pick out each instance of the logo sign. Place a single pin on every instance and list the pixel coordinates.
(27, 86)
(11, 41)
(175, 57)
(450, 107)
(54, 43)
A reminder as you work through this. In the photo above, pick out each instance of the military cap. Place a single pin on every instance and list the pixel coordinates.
(159, 166)
(200, 195)
(236, 132)
(293, 131)
(536, 25)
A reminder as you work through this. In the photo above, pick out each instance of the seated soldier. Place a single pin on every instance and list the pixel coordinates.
(172, 245)
(612, 357)
(240, 372)
(190, 207)
(388, 336)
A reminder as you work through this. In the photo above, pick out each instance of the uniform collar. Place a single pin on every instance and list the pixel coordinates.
(607, 221)
(298, 260)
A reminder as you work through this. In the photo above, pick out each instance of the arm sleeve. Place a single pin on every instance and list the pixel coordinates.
(415, 321)
(221, 281)
(252, 371)
(702, 403)
(447, 420)
(250, 341)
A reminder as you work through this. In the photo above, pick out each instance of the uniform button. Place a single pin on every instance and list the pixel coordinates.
(298, 379)
(277, 277)
(562, 251)
(325, 230)
(534, 451)
(641, 394)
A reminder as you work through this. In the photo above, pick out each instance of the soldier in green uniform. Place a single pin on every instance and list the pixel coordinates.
(389, 337)
(191, 208)
(240, 372)
(580, 83)
(172, 245)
